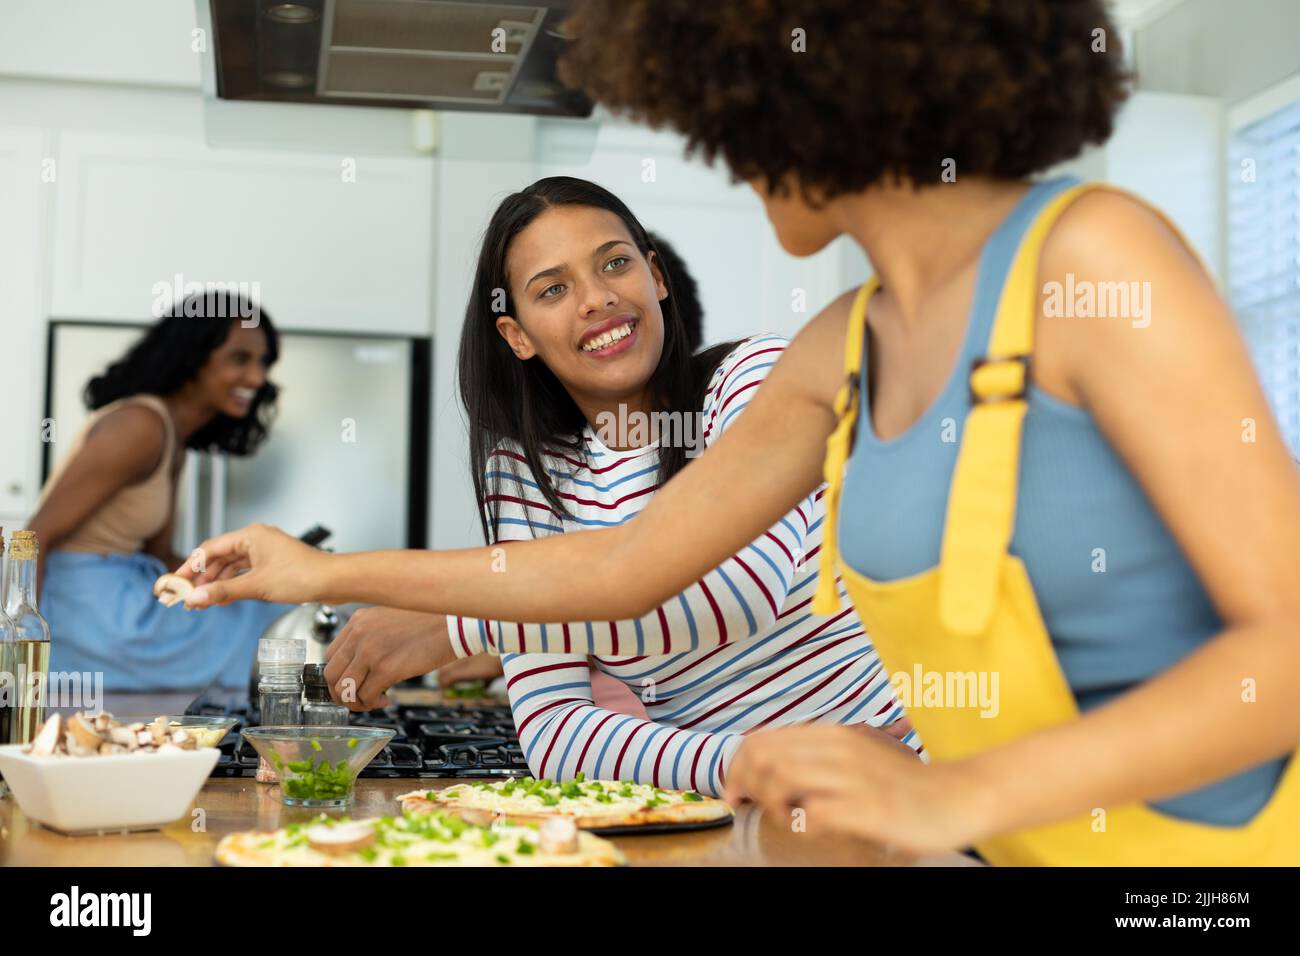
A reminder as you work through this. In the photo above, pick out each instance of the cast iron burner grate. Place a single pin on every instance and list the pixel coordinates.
(443, 740)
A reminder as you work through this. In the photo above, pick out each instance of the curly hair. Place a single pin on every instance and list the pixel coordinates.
(173, 350)
(891, 88)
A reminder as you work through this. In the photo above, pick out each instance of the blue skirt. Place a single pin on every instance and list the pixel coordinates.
(103, 617)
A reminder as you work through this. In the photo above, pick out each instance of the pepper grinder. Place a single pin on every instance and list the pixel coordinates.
(318, 708)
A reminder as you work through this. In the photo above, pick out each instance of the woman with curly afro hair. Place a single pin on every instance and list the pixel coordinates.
(195, 379)
(1055, 491)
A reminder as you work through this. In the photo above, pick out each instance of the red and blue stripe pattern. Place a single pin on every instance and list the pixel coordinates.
(737, 651)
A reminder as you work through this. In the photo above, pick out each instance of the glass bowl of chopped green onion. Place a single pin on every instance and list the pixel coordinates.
(317, 766)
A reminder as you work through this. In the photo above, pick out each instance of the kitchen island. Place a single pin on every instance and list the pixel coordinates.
(230, 804)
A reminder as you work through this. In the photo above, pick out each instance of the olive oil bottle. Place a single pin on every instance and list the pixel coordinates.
(8, 687)
(30, 648)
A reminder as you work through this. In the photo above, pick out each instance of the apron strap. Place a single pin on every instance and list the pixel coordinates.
(839, 446)
(982, 498)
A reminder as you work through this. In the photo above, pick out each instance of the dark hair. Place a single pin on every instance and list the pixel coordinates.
(891, 88)
(170, 354)
(523, 402)
(685, 292)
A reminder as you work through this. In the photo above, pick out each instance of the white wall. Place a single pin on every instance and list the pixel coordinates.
(1228, 49)
(1169, 148)
(484, 158)
(21, 293)
(338, 244)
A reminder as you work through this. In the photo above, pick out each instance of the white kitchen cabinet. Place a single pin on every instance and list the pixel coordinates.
(141, 41)
(22, 370)
(328, 242)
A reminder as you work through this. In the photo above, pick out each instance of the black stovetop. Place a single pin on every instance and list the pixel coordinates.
(437, 740)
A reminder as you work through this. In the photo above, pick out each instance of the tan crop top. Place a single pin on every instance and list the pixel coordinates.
(126, 521)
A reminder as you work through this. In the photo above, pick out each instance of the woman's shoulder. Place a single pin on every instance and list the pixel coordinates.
(1108, 226)
(1117, 279)
(750, 357)
(133, 428)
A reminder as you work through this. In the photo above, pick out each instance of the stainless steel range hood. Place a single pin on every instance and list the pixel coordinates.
(472, 55)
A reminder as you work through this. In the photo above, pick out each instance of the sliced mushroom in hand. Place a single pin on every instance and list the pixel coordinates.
(171, 589)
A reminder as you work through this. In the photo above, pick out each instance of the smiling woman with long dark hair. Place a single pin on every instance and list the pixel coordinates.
(197, 379)
(526, 402)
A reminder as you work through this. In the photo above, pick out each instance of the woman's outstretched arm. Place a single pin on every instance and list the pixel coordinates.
(768, 461)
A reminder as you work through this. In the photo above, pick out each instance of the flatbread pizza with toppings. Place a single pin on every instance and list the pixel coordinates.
(591, 804)
(418, 839)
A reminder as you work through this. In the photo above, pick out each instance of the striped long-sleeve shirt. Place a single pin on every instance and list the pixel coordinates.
(737, 651)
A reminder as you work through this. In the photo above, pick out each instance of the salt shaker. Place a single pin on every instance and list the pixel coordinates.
(279, 688)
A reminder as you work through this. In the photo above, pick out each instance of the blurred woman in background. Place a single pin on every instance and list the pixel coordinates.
(196, 379)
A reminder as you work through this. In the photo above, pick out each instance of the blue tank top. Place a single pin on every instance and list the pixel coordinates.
(1120, 602)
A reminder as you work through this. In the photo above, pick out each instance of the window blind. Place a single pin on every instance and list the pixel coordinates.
(1263, 238)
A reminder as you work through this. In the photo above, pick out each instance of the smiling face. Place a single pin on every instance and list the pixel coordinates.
(234, 372)
(587, 304)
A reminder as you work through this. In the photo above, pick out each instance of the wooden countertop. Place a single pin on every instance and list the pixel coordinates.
(231, 804)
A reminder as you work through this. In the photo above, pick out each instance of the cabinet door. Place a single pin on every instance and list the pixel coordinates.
(324, 242)
(21, 346)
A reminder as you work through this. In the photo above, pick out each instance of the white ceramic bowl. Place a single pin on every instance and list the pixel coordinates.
(106, 794)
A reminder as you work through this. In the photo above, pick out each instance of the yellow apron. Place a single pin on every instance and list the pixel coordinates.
(976, 613)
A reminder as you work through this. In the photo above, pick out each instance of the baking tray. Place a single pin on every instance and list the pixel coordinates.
(653, 828)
